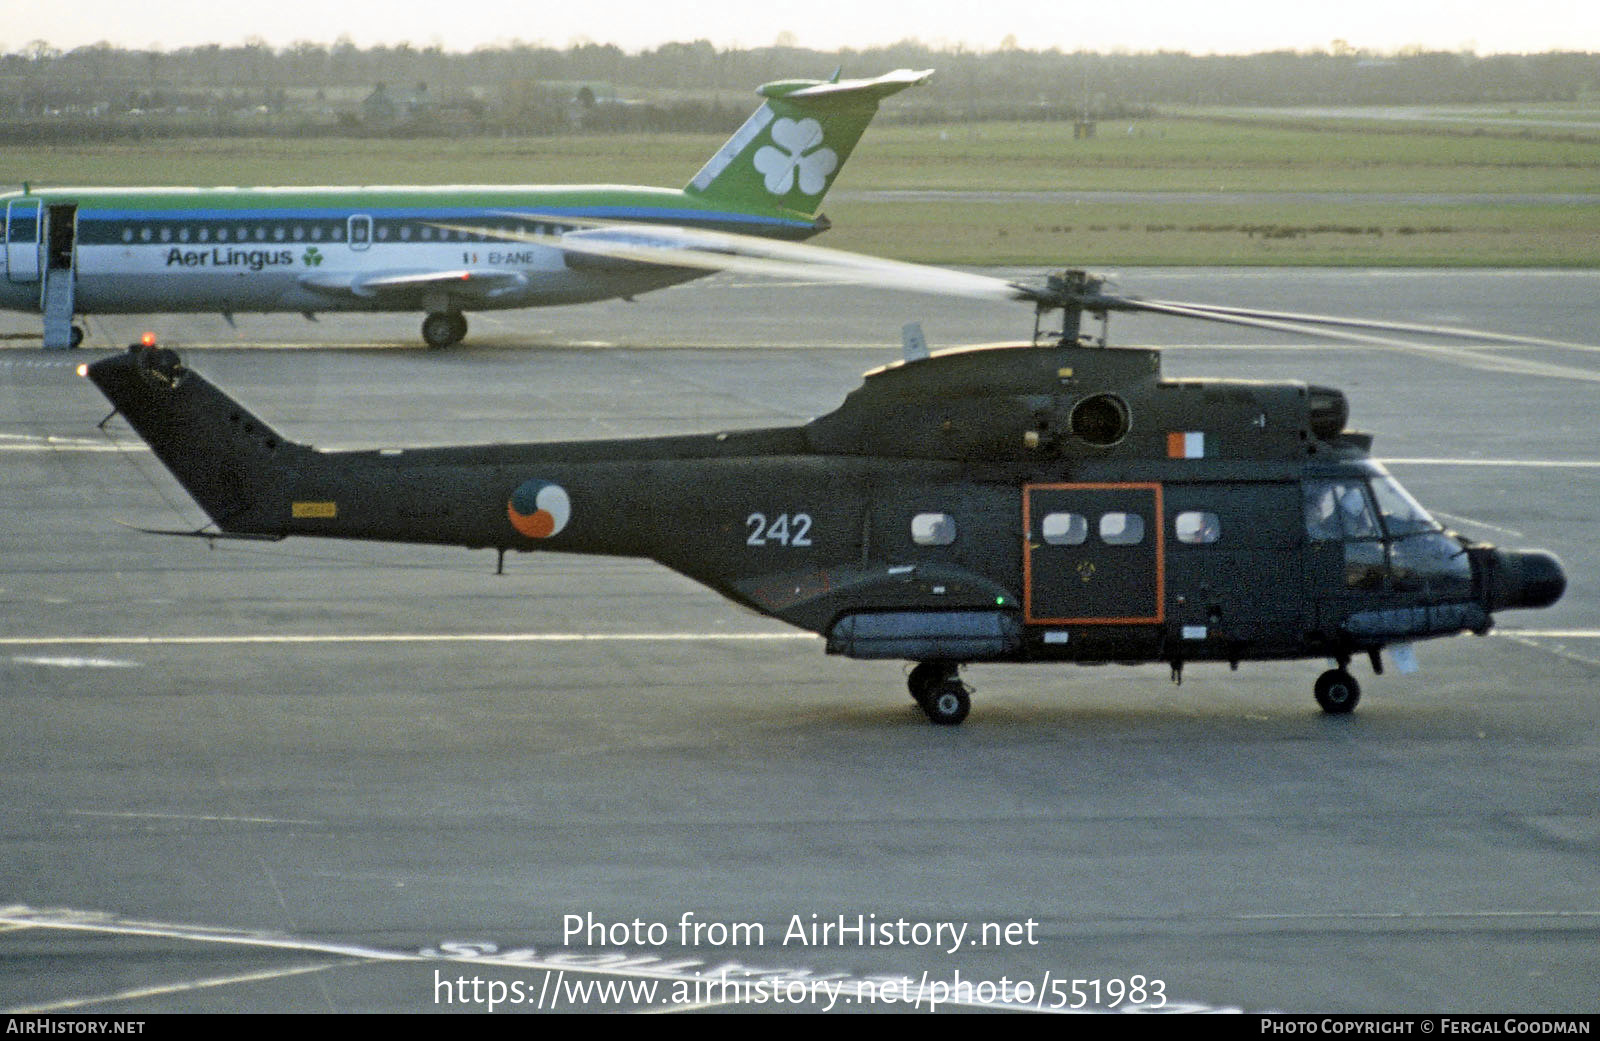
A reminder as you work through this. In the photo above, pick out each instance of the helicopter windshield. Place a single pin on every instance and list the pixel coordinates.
(1391, 544)
(1402, 515)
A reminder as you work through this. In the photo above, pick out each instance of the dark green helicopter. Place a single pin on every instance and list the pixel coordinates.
(1049, 502)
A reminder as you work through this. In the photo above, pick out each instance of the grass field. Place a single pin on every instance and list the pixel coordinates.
(1490, 198)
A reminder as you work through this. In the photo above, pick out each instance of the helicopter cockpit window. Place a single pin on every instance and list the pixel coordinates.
(1402, 514)
(1064, 529)
(933, 529)
(1197, 528)
(1410, 552)
(1422, 558)
(1340, 509)
(1121, 529)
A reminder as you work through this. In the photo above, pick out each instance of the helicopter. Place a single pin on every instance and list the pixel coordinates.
(1051, 501)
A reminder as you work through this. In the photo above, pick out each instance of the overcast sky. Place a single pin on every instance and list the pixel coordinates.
(1196, 26)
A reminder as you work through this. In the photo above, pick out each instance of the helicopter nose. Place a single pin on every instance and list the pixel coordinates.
(1525, 578)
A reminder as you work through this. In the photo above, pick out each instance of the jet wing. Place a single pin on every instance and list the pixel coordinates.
(482, 283)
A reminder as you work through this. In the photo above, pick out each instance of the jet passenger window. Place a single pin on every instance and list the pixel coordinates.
(1121, 529)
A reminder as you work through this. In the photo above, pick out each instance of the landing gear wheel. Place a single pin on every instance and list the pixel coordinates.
(1337, 692)
(924, 677)
(948, 702)
(77, 337)
(444, 329)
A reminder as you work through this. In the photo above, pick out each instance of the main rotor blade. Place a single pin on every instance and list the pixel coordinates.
(703, 249)
(1415, 328)
(1275, 324)
(677, 246)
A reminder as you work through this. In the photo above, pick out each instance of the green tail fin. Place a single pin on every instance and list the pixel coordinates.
(788, 153)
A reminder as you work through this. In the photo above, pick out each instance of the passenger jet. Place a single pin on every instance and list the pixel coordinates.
(439, 250)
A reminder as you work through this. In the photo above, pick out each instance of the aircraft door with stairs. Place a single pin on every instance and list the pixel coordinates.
(60, 275)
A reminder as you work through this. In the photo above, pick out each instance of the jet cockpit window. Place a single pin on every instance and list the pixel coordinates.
(933, 529)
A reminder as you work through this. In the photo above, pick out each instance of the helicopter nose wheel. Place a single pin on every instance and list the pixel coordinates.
(1337, 692)
(938, 689)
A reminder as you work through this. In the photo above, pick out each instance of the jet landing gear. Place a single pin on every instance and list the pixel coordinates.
(444, 329)
(1337, 692)
(937, 687)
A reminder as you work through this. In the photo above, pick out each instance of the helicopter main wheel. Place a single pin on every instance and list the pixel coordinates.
(444, 329)
(1337, 692)
(948, 701)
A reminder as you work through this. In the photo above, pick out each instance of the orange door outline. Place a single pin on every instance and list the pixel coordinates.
(1160, 543)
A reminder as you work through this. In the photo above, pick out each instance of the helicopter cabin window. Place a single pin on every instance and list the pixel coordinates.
(1121, 529)
(1197, 528)
(1064, 529)
(933, 529)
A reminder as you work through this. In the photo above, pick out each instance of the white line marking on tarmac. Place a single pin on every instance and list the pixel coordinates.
(191, 817)
(313, 638)
(104, 922)
(1551, 634)
(1576, 464)
(173, 988)
(1473, 522)
(76, 663)
(1558, 651)
(1422, 916)
(54, 443)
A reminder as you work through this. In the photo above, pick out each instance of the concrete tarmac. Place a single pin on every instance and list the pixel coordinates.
(316, 776)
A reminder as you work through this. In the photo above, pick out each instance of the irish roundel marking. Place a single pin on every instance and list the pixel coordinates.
(539, 509)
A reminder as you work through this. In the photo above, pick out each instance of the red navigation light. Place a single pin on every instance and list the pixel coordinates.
(148, 340)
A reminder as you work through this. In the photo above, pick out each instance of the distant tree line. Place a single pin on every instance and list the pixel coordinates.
(252, 88)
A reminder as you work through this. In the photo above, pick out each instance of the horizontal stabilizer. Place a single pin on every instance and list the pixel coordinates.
(201, 533)
(824, 91)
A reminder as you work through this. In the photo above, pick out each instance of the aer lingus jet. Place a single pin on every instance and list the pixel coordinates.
(440, 250)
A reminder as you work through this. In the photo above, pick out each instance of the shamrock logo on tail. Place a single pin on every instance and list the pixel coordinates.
(795, 154)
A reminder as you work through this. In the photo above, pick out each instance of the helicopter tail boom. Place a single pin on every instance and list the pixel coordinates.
(227, 459)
